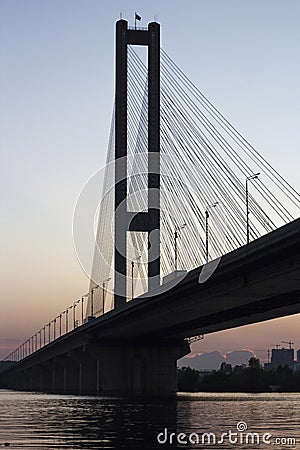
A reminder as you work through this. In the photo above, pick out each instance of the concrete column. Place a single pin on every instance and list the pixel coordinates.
(87, 365)
(24, 380)
(57, 376)
(70, 376)
(44, 381)
(41, 382)
(137, 368)
(98, 377)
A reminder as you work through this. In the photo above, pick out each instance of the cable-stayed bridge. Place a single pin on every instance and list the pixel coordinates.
(196, 233)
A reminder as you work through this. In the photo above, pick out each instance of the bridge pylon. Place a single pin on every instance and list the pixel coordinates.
(137, 221)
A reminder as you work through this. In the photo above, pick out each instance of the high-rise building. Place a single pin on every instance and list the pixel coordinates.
(297, 365)
(281, 357)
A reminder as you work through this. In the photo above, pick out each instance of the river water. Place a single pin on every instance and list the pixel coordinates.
(41, 421)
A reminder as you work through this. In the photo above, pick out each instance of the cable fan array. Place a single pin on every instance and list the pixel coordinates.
(205, 162)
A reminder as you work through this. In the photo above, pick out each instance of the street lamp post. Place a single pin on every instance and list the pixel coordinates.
(207, 230)
(49, 335)
(71, 308)
(132, 287)
(92, 300)
(175, 245)
(54, 328)
(67, 320)
(64, 312)
(59, 317)
(132, 275)
(82, 307)
(74, 313)
(103, 292)
(251, 177)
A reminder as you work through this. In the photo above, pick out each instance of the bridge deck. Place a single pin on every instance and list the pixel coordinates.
(254, 283)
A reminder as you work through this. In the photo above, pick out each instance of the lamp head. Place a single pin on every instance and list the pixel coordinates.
(254, 176)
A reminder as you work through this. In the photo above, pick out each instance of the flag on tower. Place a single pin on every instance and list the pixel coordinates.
(137, 17)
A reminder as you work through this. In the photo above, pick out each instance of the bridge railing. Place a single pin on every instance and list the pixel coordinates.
(68, 320)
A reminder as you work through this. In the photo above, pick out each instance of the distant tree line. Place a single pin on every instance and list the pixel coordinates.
(239, 379)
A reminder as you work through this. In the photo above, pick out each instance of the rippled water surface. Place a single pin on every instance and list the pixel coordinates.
(40, 421)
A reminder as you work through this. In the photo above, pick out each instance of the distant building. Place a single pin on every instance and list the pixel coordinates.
(297, 364)
(281, 357)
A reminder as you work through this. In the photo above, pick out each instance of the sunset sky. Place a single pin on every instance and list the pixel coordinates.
(57, 89)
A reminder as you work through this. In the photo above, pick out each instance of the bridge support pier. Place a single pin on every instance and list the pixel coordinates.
(81, 371)
(44, 378)
(70, 375)
(57, 377)
(145, 367)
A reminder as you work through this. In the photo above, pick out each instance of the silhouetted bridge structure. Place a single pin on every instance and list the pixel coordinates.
(133, 348)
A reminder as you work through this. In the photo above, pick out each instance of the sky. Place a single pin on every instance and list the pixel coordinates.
(57, 88)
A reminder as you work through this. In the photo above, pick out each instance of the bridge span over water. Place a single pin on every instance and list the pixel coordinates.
(135, 349)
